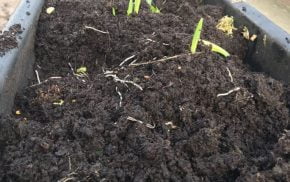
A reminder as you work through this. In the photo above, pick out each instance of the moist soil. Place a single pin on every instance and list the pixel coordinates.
(165, 123)
(8, 39)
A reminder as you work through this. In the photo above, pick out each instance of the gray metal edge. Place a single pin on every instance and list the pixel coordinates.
(270, 53)
(16, 65)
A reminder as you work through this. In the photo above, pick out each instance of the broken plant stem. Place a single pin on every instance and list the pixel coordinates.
(230, 74)
(160, 60)
(127, 59)
(229, 92)
(117, 79)
(37, 77)
(120, 95)
(50, 78)
(97, 30)
(141, 122)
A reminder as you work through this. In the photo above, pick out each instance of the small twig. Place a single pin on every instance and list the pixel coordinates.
(230, 74)
(160, 60)
(72, 69)
(141, 122)
(37, 76)
(50, 78)
(69, 163)
(117, 79)
(127, 59)
(120, 95)
(66, 179)
(229, 92)
(97, 30)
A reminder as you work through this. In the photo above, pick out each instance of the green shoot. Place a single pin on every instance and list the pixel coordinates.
(216, 48)
(153, 9)
(149, 2)
(114, 11)
(82, 70)
(137, 6)
(130, 8)
(196, 36)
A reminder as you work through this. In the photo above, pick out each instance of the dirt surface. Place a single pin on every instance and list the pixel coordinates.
(7, 7)
(8, 39)
(166, 123)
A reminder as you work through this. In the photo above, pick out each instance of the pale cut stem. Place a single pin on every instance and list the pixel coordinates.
(229, 92)
(97, 30)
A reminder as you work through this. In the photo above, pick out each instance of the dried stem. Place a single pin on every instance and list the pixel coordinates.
(230, 74)
(160, 60)
(117, 79)
(97, 30)
(140, 122)
(229, 92)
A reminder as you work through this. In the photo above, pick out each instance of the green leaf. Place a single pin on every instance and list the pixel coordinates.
(216, 48)
(149, 2)
(82, 70)
(137, 6)
(114, 11)
(154, 9)
(130, 8)
(196, 36)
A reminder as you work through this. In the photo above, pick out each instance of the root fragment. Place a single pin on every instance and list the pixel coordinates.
(117, 79)
(97, 30)
(229, 92)
(127, 59)
(120, 95)
(230, 74)
(141, 122)
(160, 60)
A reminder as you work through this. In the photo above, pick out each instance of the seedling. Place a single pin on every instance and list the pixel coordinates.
(82, 70)
(130, 8)
(216, 48)
(137, 5)
(153, 9)
(196, 36)
(196, 39)
(114, 11)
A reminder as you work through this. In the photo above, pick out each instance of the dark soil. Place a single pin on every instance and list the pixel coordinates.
(239, 137)
(8, 39)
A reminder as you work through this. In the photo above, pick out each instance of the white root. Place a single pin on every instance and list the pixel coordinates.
(229, 92)
(97, 30)
(71, 68)
(127, 59)
(140, 122)
(117, 79)
(171, 124)
(160, 60)
(230, 74)
(150, 40)
(50, 78)
(120, 95)
(37, 77)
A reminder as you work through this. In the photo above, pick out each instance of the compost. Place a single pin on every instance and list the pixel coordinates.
(8, 39)
(168, 116)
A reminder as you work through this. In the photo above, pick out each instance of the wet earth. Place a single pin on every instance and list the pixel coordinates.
(168, 116)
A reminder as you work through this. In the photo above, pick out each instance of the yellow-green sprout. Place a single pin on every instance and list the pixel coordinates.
(137, 5)
(216, 48)
(114, 11)
(130, 8)
(196, 36)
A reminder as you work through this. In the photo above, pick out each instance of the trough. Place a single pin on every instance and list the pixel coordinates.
(270, 53)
